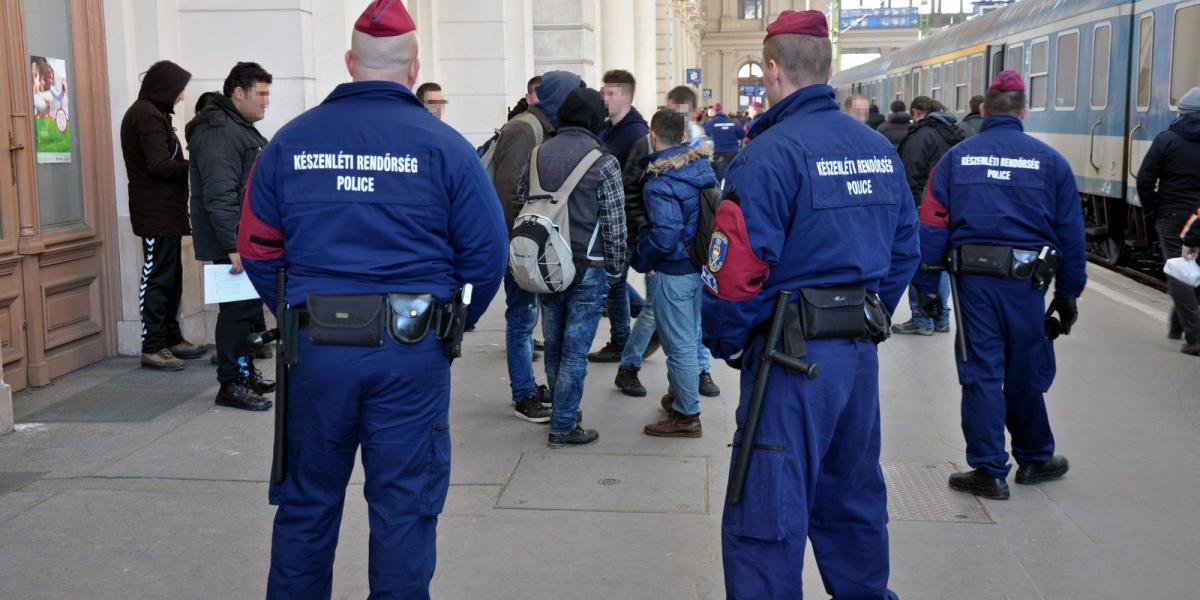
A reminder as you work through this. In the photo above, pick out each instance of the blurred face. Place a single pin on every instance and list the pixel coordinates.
(252, 104)
(617, 99)
(755, 111)
(860, 109)
(531, 97)
(712, 112)
(436, 102)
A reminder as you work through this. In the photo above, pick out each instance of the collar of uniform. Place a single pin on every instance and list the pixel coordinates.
(1005, 121)
(805, 100)
(373, 89)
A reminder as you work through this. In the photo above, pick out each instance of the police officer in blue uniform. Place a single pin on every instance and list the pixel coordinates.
(380, 212)
(823, 211)
(726, 135)
(1003, 207)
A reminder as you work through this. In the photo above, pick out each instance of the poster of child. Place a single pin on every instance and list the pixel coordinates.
(51, 109)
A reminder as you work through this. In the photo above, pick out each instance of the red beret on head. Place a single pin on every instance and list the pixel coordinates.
(385, 18)
(1008, 81)
(717, 107)
(802, 22)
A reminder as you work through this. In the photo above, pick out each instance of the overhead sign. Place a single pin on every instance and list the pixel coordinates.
(706, 94)
(905, 17)
(693, 77)
(754, 90)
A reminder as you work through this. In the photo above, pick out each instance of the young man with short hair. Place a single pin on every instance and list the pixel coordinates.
(430, 94)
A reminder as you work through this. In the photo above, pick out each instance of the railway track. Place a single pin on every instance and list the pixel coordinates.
(1143, 270)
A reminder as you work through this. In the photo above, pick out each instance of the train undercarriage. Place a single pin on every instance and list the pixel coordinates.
(1119, 239)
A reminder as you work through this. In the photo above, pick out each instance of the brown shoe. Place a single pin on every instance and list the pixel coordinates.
(188, 351)
(162, 360)
(676, 425)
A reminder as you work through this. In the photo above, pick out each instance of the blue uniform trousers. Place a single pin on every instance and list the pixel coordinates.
(394, 401)
(814, 474)
(1010, 365)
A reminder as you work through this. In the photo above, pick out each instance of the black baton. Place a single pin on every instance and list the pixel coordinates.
(279, 451)
(737, 479)
(960, 336)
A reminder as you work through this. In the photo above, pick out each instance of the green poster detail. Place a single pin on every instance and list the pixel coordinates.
(51, 109)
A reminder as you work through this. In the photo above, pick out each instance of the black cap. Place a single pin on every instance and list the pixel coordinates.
(583, 107)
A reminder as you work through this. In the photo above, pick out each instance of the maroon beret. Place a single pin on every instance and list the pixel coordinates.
(802, 22)
(385, 18)
(1008, 81)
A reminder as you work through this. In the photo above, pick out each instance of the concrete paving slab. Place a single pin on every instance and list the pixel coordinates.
(609, 483)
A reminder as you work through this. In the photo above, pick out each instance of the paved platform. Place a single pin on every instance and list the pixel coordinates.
(157, 493)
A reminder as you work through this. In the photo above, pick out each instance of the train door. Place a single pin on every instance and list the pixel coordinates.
(995, 62)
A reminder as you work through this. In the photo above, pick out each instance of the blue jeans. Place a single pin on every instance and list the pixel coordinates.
(678, 300)
(520, 317)
(569, 323)
(919, 317)
(643, 330)
(622, 299)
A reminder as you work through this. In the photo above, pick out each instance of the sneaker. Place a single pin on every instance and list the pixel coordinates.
(942, 328)
(578, 437)
(238, 395)
(676, 425)
(652, 347)
(610, 353)
(543, 393)
(627, 382)
(979, 483)
(188, 351)
(708, 387)
(530, 409)
(910, 327)
(163, 360)
(1052, 469)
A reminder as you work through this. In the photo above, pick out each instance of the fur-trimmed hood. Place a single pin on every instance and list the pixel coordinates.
(682, 155)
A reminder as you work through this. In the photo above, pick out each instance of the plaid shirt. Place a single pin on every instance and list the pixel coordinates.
(611, 195)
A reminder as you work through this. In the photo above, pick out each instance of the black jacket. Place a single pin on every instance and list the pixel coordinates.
(895, 128)
(926, 142)
(223, 146)
(154, 162)
(621, 136)
(633, 175)
(1173, 163)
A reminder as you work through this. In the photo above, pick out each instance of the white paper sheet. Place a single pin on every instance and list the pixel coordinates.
(222, 286)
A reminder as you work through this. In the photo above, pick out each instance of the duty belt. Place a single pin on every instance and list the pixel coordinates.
(360, 320)
(1006, 262)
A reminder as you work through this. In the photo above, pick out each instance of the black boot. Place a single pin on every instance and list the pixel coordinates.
(257, 383)
(238, 395)
(610, 353)
(708, 387)
(627, 382)
(1052, 469)
(578, 437)
(979, 483)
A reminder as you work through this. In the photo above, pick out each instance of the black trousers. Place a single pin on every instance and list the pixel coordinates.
(160, 291)
(235, 322)
(1185, 312)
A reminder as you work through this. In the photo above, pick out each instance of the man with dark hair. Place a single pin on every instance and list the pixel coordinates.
(1005, 194)
(973, 121)
(158, 196)
(822, 229)
(623, 128)
(875, 118)
(675, 177)
(931, 135)
(898, 121)
(224, 144)
(430, 94)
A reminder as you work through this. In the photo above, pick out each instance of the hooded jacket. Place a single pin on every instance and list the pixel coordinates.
(895, 129)
(926, 142)
(970, 125)
(675, 177)
(620, 137)
(516, 140)
(1173, 163)
(154, 161)
(223, 146)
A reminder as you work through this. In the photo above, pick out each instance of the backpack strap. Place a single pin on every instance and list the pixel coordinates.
(536, 191)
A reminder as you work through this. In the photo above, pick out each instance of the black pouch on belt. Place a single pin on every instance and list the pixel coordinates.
(975, 259)
(410, 316)
(833, 312)
(346, 320)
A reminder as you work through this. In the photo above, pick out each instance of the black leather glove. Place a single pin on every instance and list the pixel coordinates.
(931, 305)
(1067, 311)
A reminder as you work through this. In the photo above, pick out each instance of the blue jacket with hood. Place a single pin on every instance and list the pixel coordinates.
(675, 177)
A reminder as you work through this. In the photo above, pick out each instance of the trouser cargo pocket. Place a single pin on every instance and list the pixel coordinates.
(759, 515)
(437, 483)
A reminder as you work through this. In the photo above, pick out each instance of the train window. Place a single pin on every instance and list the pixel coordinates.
(1066, 70)
(1101, 60)
(1185, 56)
(908, 86)
(997, 64)
(978, 83)
(947, 82)
(962, 93)
(935, 82)
(925, 83)
(1015, 59)
(1145, 60)
(1039, 66)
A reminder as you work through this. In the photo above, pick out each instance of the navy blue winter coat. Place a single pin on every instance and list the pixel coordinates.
(619, 138)
(675, 177)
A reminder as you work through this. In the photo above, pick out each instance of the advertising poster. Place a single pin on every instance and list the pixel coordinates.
(51, 109)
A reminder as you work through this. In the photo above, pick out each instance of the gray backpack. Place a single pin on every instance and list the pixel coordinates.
(539, 253)
(488, 156)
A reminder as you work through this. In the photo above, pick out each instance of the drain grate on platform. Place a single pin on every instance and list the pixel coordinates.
(918, 492)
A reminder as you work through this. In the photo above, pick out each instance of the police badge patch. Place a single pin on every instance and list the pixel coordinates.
(716, 252)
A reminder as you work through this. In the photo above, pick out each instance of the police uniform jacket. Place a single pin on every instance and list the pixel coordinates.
(370, 193)
(825, 203)
(726, 134)
(1004, 188)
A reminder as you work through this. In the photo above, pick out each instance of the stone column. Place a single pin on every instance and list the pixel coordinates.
(645, 45)
(618, 30)
(564, 37)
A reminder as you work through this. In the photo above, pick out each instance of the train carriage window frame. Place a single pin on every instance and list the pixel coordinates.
(947, 82)
(1100, 69)
(935, 80)
(1148, 58)
(925, 83)
(1063, 72)
(1037, 77)
(978, 75)
(1017, 65)
(1191, 50)
(962, 85)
